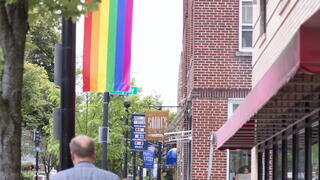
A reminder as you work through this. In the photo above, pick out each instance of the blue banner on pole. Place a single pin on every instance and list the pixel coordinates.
(138, 126)
(148, 158)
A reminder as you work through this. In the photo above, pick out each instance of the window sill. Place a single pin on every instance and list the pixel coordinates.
(243, 53)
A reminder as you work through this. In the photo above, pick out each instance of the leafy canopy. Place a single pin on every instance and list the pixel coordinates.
(39, 97)
(65, 8)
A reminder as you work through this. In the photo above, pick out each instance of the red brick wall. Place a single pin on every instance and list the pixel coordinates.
(207, 116)
(216, 29)
(210, 73)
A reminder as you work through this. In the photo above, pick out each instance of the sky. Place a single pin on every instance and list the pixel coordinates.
(156, 47)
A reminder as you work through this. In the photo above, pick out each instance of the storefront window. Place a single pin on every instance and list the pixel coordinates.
(289, 158)
(239, 165)
(315, 152)
(301, 156)
(279, 164)
(239, 161)
(294, 155)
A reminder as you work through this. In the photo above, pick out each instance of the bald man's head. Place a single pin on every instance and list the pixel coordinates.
(82, 146)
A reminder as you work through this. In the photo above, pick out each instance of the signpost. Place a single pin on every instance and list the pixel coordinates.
(133, 91)
(156, 123)
(138, 125)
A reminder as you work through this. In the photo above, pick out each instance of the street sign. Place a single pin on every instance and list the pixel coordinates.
(138, 125)
(103, 135)
(133, 91)
(38, 149)
(148, 158)
(156, 123)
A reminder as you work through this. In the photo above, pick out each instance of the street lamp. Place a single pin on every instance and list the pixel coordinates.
(126, 104)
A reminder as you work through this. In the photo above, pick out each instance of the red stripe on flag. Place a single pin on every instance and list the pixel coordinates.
(86, 51)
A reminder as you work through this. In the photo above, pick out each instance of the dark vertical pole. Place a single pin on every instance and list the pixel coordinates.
(260, 169)
(141, 173)
(67, 92)
(37, 165)
(105, 124)
(159, 159)
(318, 138)
(284, 159)
(308, 160)
(141, 168)
(134, 164)
(275, 162)
(266, 163)
(295, 156)
(150, 174)
(126, 134)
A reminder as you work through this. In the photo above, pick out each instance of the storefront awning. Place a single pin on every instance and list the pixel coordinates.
(288, 91)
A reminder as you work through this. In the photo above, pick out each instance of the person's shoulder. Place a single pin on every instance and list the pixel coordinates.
(62, 174)
(108, 174)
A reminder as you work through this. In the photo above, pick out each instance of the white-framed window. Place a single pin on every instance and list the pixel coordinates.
(238, 161)
(233, 103)
(246, 25)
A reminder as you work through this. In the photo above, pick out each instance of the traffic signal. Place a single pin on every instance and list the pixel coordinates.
(36, 137)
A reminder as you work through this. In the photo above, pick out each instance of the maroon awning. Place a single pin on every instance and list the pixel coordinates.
(279, 98)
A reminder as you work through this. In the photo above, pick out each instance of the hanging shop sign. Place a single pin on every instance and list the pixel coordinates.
(156, 123)
(148, 158)
(138, 126)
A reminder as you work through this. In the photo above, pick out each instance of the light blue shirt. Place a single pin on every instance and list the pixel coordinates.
(85, 171)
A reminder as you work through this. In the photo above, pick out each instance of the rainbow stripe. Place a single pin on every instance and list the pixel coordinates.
(107, 47)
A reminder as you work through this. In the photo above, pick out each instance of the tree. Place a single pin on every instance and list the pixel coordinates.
(90, 115)
(49, 161)
(39, 97)
(41, 39)
(13, 29)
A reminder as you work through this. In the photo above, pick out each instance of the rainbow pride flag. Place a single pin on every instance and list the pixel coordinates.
(107, 47)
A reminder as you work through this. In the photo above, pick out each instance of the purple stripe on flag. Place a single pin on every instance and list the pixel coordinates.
(118, 74)
(127, 46)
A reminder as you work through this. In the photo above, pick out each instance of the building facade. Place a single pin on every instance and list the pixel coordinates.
(279, 118)
(215, 73)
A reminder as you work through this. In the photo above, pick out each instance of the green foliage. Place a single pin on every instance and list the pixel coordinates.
(39, 97)
(90, 117)
(65, 8)
(27, 175)
(41, 39)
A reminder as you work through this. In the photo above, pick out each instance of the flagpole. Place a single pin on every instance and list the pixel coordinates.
(105, 125)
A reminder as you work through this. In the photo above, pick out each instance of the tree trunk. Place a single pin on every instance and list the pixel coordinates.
(13, 30)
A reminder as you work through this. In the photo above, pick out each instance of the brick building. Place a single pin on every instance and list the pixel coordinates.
(215, 74)
(279, 118)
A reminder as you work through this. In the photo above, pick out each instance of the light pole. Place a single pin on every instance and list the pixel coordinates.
(67, 92)
(105, 125)
(37, 140)
(126, 104)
